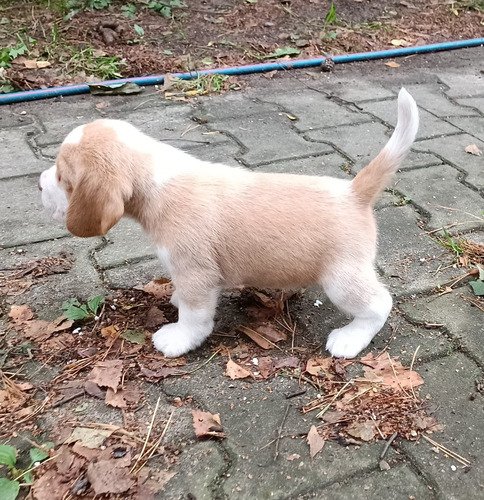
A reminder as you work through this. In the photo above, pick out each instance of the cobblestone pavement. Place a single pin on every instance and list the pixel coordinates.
(343, 119)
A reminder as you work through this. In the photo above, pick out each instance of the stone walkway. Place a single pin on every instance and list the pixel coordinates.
(343, 119)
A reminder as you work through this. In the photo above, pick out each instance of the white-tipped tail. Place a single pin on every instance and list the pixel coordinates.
(374, 178)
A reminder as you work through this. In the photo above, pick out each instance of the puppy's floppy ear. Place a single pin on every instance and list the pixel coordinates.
(94, 208)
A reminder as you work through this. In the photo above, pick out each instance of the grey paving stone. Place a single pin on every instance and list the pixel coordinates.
(23, 219)
(198, 468)
(131, 275)
(473, 125)
(353, 88)
(47, 294)
(329, 164)
(452, 149)
(16, 157)
(409, 258)
(432, 97)
(449, 382)
(313, 109)
(126, 242)
(463, 84)
(430, 126)
(60, 117)
(437, 191)
(175, 126)
(398, 483)
(265, 131)
(363, 142)
(458, 316)
(473, 102)
(10, 117)
(250, 414)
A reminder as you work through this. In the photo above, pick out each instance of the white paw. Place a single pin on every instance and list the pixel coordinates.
(347, 342)
(174, 339)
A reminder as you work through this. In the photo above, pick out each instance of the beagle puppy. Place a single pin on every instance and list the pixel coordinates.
(216, 226)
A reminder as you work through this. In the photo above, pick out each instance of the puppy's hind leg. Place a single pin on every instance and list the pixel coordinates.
(358, 292)
(195, 322)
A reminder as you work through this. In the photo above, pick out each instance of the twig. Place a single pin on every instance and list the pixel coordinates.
(454, 455)
(150, 427)
(279, 432)
(387, 444)
(155, 446)
(323, 411)
(411, 369)
(68, 398)
(200, 366)
(396, 376)
(296, 394)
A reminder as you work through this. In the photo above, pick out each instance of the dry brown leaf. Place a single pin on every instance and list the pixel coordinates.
(400, 43)
(107, 373)
(91, 438)
(256, 337)
(155, 317)
(94, 390)
(39, 330)
(320, 367)
(392, 64)
(265, 367)
(115, 399)
(270, 332)
(289, 362)
(292, 457)
(150, 481)
(391, 372)
(20, 314)
(473, 150)
(315, 441)
(110, 332)
(332, 417)
(161, 289)
(362, 430)
(106, 476)
(207, 424)
(160, 373)
(50, 485)
(235, 371)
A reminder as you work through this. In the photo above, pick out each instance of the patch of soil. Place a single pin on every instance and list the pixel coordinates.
(214, 33)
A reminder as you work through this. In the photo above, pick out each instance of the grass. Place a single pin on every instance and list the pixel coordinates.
(103, 67)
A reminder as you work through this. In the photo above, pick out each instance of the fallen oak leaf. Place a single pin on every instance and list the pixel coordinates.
(207, 424)
(20, 314)
(106, 476)
(473, 150)
(107, 373)
(90, 438)
(155, 317)
(391, 372)
(319, 367)
(115, 399)
(315, 441)
(235, 371)
(160, 289)
(362, 430)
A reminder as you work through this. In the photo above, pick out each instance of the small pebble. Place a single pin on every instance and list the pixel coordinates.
(318, 303)
(453, 467)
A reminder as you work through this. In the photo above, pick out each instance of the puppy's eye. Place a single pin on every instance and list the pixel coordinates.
(58, 177)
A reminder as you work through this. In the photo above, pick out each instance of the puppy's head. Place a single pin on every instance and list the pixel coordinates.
(91, 180)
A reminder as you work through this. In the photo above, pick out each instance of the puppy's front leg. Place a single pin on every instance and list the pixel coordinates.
(195, 322)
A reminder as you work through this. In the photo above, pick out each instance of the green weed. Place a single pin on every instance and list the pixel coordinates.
(103, 67)
(165, 8)
(9, 488)
(74, 310)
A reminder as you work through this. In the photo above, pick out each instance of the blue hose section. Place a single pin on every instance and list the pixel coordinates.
(32, 95)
